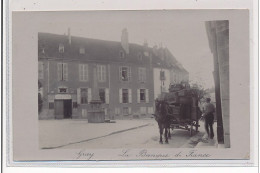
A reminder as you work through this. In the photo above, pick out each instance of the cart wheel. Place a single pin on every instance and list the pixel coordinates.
(191, 130)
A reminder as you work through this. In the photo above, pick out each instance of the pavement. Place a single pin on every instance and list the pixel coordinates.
(60, 133)
(204, 141)
(77, 133)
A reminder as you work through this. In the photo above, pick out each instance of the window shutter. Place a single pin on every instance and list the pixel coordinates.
(120, 73)
(98, 72)
(86, 72)
(147, 96)
(139, 74)
(89, 95)
(130, 95)
(120, 95)
(129, 110)
(65, 71)
(59, 71)
(78, 96)
(129, 73)
(107, 95)
(80, 72)
(138, 95)
(103, 73)
(144, 74)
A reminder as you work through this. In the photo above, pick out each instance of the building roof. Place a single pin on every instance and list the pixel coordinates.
(104, 51)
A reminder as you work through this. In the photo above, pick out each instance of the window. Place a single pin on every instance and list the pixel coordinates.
(122, 54)
(125, 111)
(125, 73)
(102, 95)
(62, 72)
(140, 57)
(40, 70)
(142, 95)
(61, 48)
(74, 104)
(143, 110)
(125, 95)
(101, 70)
(142, 74)
(83, 72)
(63, 90)
(82, 50)
(51, 105)
(84, 95)
(162, 75)
(117, 111)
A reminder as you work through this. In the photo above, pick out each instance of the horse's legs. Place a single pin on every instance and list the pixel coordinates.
(166, 135)
(169, 133)
(161, 132)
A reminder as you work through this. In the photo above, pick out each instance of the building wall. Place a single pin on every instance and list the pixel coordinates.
(113, 108)
(218, 35)
(157, 82)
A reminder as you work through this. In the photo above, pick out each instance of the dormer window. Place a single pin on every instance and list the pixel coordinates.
(61, 48)
(122, 54)
(82, 50)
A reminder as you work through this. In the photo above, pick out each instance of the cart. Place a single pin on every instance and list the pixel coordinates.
(182, 108)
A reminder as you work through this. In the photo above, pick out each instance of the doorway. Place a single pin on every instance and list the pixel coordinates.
(63, 109)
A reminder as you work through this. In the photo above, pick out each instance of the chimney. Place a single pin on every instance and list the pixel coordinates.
(124, 40)
(69, 36)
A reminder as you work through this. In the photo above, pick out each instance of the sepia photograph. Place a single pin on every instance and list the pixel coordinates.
(131, 85)
(133, 80)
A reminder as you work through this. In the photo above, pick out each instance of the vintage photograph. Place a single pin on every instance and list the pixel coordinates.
(133, 79)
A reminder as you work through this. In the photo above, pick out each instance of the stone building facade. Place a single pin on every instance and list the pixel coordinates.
(125, 75)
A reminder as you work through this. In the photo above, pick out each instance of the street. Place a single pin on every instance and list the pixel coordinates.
(74, 134)
(146, 137)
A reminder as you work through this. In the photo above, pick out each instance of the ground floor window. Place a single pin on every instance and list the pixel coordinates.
(51, 105)
(84, 95)
(142, 95)
(75, 105)
(102, 95)
(143, 110)
(125, 95)
(150, 110)
(125, 110)
(117, 111)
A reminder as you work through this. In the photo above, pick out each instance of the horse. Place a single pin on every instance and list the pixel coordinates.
(163, 119)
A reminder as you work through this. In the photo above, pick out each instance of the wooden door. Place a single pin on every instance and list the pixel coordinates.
(59, 109)
(68, 108)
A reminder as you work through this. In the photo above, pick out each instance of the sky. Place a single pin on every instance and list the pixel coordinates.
(182, 32)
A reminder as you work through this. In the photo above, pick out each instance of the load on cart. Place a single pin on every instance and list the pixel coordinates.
(178, 108)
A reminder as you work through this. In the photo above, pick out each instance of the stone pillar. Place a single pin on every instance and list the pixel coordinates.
(96, 114)
(218, 36)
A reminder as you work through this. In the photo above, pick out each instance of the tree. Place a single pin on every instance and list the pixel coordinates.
(199, 91)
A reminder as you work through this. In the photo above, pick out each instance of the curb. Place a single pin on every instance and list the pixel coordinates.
(112, 133)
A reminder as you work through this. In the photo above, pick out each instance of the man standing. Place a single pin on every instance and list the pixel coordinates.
(208, 110)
